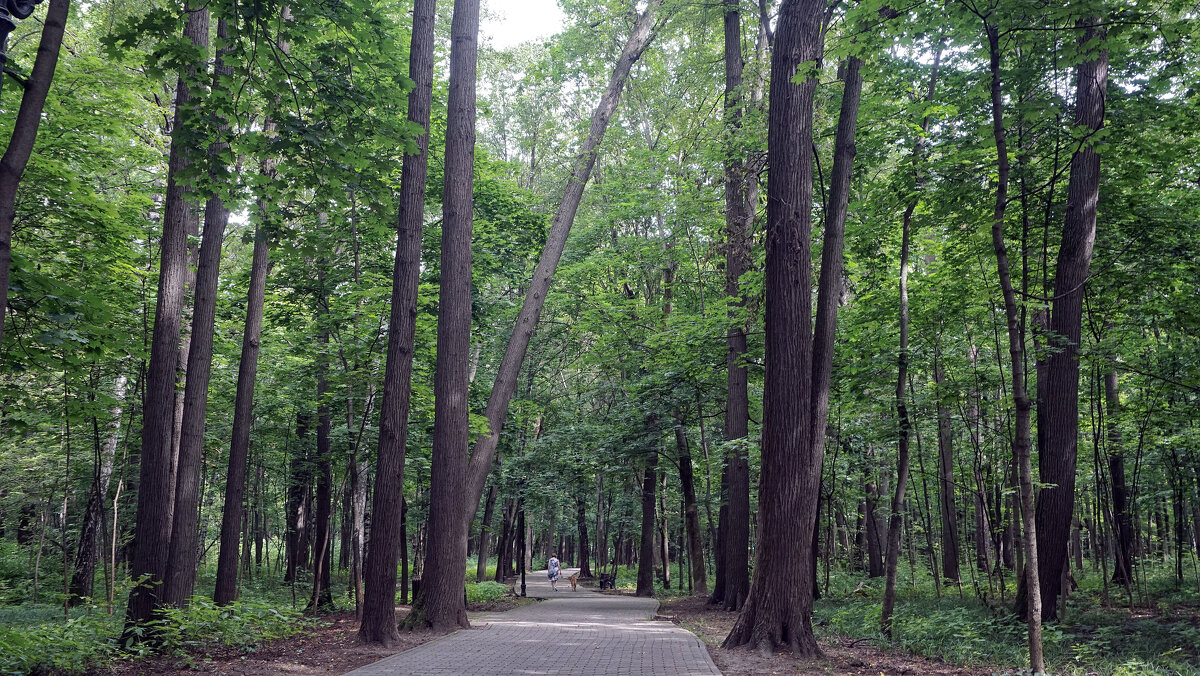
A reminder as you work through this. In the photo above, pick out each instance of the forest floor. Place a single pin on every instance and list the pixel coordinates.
(842, 656)
(329, 648)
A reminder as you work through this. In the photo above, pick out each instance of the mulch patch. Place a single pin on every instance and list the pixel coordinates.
(712, 624)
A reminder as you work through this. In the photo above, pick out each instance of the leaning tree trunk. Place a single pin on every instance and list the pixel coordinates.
(379, 615)
(152, 520)
(181, 563)
(1016, 348)
(440, 604)
(25, 129)
(1058, 413)
(514, 354)
(791, 463)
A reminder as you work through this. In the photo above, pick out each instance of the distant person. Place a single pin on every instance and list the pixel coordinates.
(553, 572)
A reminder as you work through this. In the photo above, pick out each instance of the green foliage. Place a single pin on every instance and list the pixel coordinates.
(56, 647)
(486, 591)
(243, 625)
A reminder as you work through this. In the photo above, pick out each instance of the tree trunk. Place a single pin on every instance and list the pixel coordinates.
(1122, 521)
(152, 520)
(181, 564)
(1058, 413)
(645, 572)
(1016, 346)
(733, 569)
(441, 604)
(874, 533)
(322, 596)
(514, 354)
(243, 411)
(485, 532)
(897, 512)
(792, 406)
(83, 576)
(585, 569)
(379, 616)
(946, 498)
(299, 485)
(695, 542)
(25, 129)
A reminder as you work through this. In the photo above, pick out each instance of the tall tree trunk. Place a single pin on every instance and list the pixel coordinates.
(1016, 346)
(645, 572)
(905, 425)
(181, 564)
(322, 596)
(441, 604)
(695, 541)
(82, 578)
(585, 569)
(1122, 521)
(872, 519)
(379, 616)
(733, 569)
(485, 532)
(24, 134)
(946, 498)
(243, 411)
(1058, 414)
(794, 402)
(299, 485)
(152, 520)
(514, 354)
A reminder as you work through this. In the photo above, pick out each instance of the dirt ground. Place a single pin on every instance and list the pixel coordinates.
(842, 657)
(330, 648)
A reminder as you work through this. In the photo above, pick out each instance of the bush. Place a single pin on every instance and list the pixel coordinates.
(69, 647)
(485, 591)
(203, 624)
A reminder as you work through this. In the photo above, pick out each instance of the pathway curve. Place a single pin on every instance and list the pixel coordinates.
(579, 633)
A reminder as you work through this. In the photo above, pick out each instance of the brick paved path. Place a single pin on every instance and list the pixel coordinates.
(578, 633)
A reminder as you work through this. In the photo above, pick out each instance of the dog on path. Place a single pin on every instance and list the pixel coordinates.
(574, 580)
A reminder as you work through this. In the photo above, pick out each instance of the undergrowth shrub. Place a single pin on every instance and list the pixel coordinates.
(485, 591)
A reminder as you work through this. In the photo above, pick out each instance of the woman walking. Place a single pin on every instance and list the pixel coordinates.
(552, 571)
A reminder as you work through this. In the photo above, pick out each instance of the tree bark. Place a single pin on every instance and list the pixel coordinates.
(791, 462)
(83, 575)
(485, 532)
(695, 541)
(379, 616)
(1122, 520)
(645, 572)
(733, 570)
(1016, 346)
(514, 354)
(299, 485)
(905, 425)
(243, 411)
(24, 134)
(440, 604)
(946, 498)
(322, 595)
(585, 569)
(181, 564)
(152, 520)
(1058, 412)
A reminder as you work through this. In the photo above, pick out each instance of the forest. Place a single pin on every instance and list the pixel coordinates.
(860, 322)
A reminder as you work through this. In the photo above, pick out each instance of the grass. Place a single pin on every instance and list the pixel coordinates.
(1163, 638)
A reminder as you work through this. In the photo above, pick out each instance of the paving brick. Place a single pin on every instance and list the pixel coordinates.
(579, 633)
